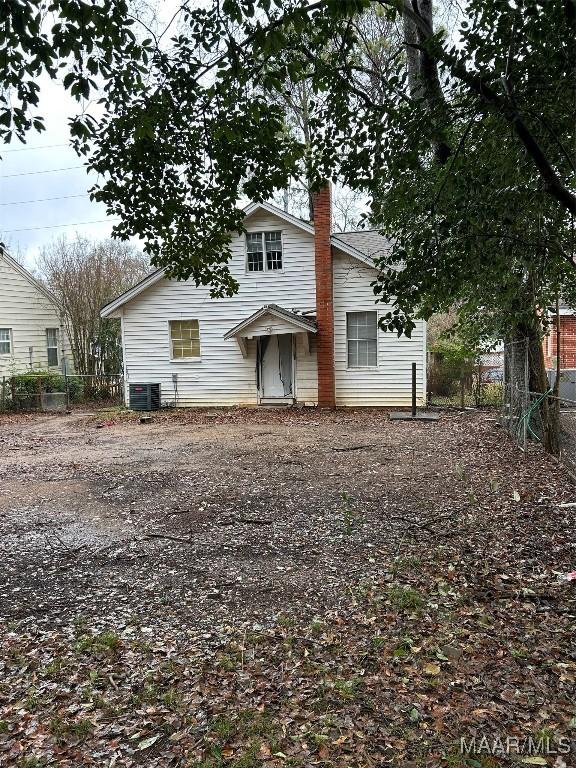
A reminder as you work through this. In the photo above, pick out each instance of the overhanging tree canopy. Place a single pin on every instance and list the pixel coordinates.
(200, 131)
(82, 41)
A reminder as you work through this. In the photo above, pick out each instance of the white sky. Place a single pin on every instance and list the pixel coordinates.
(26, 226)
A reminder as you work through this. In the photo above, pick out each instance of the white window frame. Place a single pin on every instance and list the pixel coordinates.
(49, 347)
(265, 271)
(184, 359)
(361, 367)
(10, 343)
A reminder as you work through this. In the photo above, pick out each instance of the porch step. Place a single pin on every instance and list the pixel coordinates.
(277, 401)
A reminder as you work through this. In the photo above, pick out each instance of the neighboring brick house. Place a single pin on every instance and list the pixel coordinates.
(567, 341)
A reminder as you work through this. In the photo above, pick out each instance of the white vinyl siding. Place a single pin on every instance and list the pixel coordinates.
(5, 341)
(27, 312)
(224, 376)
(388, 384)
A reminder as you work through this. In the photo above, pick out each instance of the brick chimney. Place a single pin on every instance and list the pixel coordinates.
(322, 207)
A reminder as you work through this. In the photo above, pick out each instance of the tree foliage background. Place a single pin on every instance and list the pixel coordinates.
(84, 275)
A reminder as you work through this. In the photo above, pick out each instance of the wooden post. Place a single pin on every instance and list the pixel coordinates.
(462, 400)
(413, 389)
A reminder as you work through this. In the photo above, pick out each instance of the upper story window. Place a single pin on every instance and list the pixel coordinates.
(362, 339)
(184, 339)
(52, 346)
(5, 341)
(264, 251)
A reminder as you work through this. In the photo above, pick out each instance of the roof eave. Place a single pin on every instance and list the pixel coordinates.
(304, 325)
(109, 309)
(351, 251)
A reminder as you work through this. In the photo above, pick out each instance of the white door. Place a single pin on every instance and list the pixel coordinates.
(276, 362)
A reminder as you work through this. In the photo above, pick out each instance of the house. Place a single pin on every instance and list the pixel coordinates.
(567, 339)
(303, 327)
(32, 334)
(567, 318)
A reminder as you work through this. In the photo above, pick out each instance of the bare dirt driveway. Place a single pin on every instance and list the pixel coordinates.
(203, 524)
(268, 511)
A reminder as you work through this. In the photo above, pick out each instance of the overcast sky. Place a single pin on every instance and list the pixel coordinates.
(31, 172)
(47, 167)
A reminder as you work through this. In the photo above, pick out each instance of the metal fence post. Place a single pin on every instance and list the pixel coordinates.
(66, 383)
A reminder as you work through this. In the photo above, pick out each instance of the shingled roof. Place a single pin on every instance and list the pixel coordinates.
(368, 241)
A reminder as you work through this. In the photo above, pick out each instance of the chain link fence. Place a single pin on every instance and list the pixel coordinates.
(54, 391)
(475, 383)
(516, 414)
(521, 408)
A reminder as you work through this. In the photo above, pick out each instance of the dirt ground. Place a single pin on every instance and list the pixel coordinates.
(263, 589)
(268, 511)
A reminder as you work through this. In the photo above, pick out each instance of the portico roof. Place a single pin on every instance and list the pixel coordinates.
(299, 323)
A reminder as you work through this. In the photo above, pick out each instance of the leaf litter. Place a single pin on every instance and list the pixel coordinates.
(398, 598)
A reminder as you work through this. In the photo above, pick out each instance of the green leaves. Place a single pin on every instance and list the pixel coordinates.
(192, 129)
(90, 38)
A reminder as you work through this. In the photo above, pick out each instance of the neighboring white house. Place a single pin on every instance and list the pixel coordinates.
(32, 336)
(303, 326)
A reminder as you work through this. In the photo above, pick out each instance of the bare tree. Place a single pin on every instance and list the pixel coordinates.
(84, 275)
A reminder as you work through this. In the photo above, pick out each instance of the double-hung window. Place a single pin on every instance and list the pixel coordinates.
(52, 346)
(5, 341)
(263, 251)
(184, 339)
(361, 338)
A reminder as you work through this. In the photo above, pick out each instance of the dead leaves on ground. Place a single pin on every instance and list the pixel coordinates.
(389, 680)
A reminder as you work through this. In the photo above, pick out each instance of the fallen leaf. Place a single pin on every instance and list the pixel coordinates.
(146, 743)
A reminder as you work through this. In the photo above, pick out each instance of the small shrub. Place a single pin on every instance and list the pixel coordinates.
(27, 385)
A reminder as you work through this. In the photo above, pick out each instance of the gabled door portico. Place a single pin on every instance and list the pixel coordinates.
(275, 332)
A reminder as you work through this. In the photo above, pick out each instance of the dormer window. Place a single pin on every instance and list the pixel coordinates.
(264, 251)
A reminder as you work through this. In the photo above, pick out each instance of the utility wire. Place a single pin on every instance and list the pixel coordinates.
(34, 173)
(45, 199)
(56, 226)
(32, 149)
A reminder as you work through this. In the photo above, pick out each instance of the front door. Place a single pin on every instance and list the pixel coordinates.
(276, 356)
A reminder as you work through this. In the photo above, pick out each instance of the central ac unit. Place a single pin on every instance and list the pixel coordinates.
(145, 397)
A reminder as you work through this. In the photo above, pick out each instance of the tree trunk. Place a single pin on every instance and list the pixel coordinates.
(538, 383)
(423, 77)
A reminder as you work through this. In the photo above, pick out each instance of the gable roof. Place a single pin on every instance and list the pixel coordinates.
(23, 272)
(281, 213)
(353, 246)
(367, 241)
(299, 321)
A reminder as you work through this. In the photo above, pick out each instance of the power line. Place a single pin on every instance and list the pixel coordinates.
(45, 199)
(34, 173)
(33, 149)
(56, 226)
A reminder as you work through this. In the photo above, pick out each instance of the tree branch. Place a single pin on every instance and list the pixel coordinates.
(503, 106)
